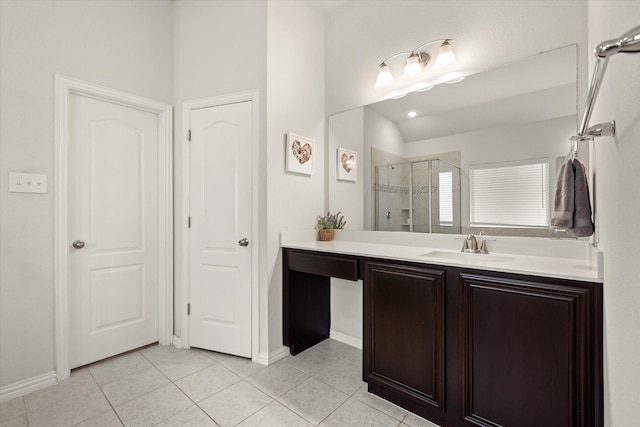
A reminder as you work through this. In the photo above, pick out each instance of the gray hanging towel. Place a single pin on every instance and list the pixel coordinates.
(582, 224)
(564, 201)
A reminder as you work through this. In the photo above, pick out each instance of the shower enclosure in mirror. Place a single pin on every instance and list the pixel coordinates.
(420, 196)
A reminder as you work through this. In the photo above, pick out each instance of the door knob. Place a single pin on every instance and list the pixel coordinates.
(78, 244)
(243, 242)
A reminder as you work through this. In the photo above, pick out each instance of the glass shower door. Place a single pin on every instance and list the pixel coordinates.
(392, 198)
(421, 196)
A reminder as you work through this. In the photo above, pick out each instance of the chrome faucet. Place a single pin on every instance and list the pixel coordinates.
(470, 244)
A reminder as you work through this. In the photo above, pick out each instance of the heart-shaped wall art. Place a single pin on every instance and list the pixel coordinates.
(301, 152)
(348, 162)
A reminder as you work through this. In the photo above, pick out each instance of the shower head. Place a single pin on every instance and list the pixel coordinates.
(629, 42)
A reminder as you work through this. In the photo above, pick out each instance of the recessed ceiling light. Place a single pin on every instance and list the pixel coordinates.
(412, 114)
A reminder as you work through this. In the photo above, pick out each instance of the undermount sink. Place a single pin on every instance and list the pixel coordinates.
(469, 257)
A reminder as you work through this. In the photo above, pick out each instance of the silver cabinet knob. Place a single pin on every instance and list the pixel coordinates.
(78, 244)
(243, 242)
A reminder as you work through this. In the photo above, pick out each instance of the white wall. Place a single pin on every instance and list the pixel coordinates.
(295, 103)
(122, 45)
(618, 204)
(487, 34)
(220, 47)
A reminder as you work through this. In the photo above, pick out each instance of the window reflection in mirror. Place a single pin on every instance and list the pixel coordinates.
(519, 113)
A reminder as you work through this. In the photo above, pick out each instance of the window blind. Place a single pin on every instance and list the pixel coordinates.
(510, 194)
(445, 191)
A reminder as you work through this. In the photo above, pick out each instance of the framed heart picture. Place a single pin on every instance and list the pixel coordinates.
(300, 153)
(347, 164)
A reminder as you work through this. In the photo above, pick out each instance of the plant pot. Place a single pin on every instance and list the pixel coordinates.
(326, 234)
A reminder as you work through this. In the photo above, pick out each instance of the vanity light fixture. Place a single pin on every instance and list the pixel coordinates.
(417, 60)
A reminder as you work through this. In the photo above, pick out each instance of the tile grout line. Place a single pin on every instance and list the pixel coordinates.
(351, 395)
(155, 389)
(219, 391)
(208, 397)
(105, 397)
(313, 376)
(260, 409)
(292, 409)
(144, 394)
(306, 380)
(331, 413)
(24, 406)
(182, 391)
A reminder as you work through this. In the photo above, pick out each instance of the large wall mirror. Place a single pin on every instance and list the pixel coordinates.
(480, 154)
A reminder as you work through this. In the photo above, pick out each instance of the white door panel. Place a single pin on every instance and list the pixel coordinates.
(113, 209)
(220, 210)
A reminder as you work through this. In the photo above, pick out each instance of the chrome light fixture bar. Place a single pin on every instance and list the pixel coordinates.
(416, 61)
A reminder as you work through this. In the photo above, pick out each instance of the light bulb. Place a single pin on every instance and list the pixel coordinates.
(445, 54)
(413, 66)
(412, 114)
(385, 78)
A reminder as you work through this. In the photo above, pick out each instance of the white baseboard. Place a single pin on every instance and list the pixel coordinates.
(27, 386)
(272, 357)
(345, 338)
(177, 342)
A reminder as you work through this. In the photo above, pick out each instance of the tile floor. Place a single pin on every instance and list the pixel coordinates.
(164, 386)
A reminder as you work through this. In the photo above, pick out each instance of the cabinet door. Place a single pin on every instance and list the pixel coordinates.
(525, 358)
(404, 334)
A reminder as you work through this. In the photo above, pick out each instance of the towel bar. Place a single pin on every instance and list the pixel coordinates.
(629, 42)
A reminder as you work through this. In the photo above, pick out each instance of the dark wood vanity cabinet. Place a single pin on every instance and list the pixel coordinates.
(404, 345)
(530, 351)
(465, 347)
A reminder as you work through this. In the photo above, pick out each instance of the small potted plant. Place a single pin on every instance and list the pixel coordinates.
(328, 224)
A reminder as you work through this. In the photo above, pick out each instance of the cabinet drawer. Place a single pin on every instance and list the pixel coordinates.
(343, 267)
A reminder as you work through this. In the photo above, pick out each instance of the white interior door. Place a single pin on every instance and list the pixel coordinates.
(113, 228)
(220, 212)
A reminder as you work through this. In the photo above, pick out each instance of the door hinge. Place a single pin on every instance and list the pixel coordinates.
(189, 222)
(189, 134)
(188, 309)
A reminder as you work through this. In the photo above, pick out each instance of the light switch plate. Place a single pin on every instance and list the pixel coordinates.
(27, 183)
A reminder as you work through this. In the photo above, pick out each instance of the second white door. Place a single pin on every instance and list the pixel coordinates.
(220, 229)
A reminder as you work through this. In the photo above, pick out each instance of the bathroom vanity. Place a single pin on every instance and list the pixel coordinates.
(509, 339)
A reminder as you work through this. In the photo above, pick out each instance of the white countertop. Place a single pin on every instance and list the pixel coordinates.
(574, 259)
